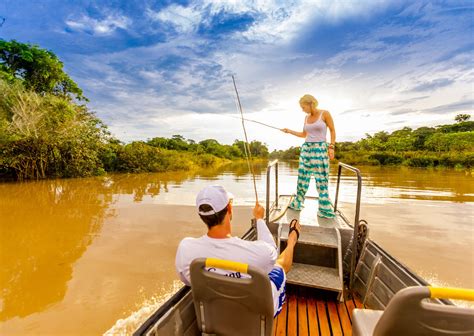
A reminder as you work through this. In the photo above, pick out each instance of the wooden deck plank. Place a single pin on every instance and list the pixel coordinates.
(313, 317)
(334, 319)
(325, 329)
(344, 318)
(357, 302)
(282, 317)
(302, 317)
(350, 307)
(275, 324)
(292, 316)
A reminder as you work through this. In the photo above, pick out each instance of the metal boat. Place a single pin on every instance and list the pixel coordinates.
(341, 283)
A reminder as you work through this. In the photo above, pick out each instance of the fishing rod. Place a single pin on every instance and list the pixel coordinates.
(258, 122)
(246, 145)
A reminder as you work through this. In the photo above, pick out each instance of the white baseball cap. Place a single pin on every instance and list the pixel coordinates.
(215, 196)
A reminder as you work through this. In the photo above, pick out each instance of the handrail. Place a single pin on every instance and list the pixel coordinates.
(357, 213)
(267, 208)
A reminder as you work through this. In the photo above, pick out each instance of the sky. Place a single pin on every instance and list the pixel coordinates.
(160, 68)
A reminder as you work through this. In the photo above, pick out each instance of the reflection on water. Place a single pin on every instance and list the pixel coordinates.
(418, 184)
(157, 187)
(88, 252)
(46, 226)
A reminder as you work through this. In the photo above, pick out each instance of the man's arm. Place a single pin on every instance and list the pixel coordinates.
(263, 233)
(182, 267)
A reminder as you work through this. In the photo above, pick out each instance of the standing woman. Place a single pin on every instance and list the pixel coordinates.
(314, 160)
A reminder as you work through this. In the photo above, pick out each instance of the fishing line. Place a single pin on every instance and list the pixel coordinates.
(246, 145)
(255, 121)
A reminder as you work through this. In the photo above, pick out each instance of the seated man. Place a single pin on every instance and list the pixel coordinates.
(215, 209)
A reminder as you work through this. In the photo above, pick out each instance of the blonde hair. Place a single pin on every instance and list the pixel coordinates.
(310, 100)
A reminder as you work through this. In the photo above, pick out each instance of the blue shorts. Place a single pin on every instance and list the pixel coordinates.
(278, 281)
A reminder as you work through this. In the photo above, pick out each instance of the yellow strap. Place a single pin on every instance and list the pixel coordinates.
(227, 265)
(451, 293)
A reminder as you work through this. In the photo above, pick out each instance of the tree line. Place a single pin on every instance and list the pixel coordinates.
(47, 130)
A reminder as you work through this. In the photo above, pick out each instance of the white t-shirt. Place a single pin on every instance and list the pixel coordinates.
(261, 253)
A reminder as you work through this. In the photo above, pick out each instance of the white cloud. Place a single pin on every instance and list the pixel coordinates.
(283, 21)
(377, 77)
(183, 19)
(275, 21)
(105, 26)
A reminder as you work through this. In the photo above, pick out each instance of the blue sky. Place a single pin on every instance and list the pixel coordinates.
(158, 68)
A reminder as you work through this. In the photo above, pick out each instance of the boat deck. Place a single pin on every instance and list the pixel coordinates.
(307, 314)
(307, 216)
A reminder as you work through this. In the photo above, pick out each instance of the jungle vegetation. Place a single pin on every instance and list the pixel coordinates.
(47, 130)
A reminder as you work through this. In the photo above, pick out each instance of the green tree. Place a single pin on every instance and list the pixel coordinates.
(159, 142)
(45, 135)
(258, 149)
(178, 142)
(376, 142)
(240, 145)
(292, 153)
(444, 142)
(38, 69)
(400, 140)
(420, 135)
(212, 146)
(138, 157)
(463, 126)
(462, 117)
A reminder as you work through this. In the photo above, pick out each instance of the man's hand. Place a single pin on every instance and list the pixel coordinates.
(258, 211)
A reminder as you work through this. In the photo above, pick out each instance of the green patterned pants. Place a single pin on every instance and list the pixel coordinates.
(314, 161)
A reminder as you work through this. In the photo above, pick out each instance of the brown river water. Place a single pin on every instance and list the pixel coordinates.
(96, 255)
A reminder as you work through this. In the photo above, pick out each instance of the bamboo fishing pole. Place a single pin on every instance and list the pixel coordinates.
(246, 145)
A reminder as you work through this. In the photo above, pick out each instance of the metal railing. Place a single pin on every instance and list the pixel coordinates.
(267, 207)
(357, 213)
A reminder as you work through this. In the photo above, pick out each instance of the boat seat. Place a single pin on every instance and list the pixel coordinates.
(407, 314)
(231, 306)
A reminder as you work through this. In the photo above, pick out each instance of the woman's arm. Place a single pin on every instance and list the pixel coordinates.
(330, 123)
(298, 134)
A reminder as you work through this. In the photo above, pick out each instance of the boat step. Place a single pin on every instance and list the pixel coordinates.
(315, 276)
(313, 235)
(313, 254)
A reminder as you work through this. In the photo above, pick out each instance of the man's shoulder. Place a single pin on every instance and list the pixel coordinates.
(189, 239)
(188, 247)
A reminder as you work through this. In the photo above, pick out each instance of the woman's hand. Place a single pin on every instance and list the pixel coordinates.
(331, 153)
(285, 130)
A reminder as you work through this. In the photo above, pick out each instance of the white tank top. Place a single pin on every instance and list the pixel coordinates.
(315, 132)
